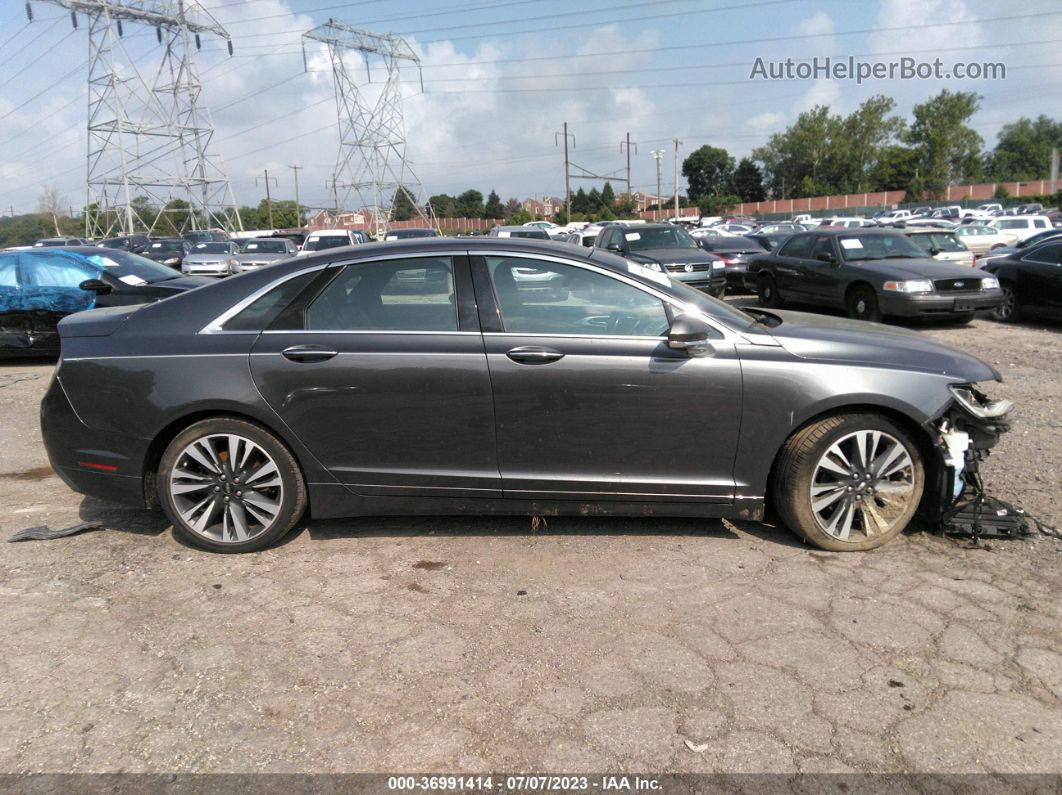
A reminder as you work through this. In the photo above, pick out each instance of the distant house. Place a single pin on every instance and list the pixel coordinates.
(328, 219)
(542, 208)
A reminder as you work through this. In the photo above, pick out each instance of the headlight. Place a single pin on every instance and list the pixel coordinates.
(234, 261)
(910, 286)
(171, 261)
(989, 283)
(718, 264)
(977, 403)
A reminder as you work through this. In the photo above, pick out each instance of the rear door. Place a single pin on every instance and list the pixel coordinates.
(789, 262)
(1040, 277)
(381, 372)
(590, 402)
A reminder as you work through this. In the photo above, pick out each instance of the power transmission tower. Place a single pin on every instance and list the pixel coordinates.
(149, 137)
(567, 179)
(629, 143)
(372, 165)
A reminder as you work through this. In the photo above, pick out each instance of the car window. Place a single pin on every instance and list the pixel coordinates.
(264, 310)
(57, 270)
(211, 247)
(1040, 224)
(326, 241)
(857, 247)
(540, 297)
(798, 246)
(648, 239)
(822, 246)
(262, 246)
(131, 269)
(400, 295)
(1050, 254)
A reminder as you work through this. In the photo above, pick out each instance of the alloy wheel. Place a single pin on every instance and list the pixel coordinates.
(1005, 311)
(226, 488)
(862, 486)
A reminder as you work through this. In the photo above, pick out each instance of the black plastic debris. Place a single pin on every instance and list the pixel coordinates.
(974, 514)
(45, 533)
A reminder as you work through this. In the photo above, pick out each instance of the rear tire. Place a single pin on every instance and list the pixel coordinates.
(862, 304)
(229, 485)
(767, 292)
(849, 483)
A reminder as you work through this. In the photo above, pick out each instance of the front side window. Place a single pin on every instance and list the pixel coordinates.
(541, 297)
(1050, 255)
(414, 294)
(799, 246)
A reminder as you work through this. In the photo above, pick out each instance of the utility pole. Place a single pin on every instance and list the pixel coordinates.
(628, 150)
(677, 144)
(298, 207)
(567, 181)
(1054, 169)
(658, 155)
(269, 198)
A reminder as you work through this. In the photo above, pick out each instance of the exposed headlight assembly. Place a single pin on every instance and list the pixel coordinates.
(910, 286)
(989, 283)
(977, 403)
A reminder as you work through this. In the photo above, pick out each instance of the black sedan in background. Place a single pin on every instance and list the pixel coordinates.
(669, 249)
(872, 274)
(38, 288)
(735, 251)
(168, 250)
(1029, 279)
(438, 376)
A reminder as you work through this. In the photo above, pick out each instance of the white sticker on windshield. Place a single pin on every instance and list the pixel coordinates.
(851, 242)
(390, 237)
(656, 276)
(132, 279)
(633, 236)
(503, 234)
(252, 246)
(101, 261)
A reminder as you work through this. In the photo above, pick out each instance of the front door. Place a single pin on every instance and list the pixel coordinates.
(590, 402)
(385, 381)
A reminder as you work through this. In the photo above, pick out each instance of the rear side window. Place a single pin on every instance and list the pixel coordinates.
(265, 309)
(1052, 254)
(415, 294)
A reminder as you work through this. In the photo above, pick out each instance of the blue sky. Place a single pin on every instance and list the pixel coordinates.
(502, 77)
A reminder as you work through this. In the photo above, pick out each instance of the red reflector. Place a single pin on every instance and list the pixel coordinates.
(100, 467)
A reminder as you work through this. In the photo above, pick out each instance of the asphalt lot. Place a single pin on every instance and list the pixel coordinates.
(463, 644)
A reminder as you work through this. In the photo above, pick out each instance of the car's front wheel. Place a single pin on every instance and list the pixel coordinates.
(863, 304)
(848, 483)
(229, 485)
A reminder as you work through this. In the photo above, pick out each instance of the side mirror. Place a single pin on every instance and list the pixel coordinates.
(617, 247)
(690, 334)
(933, 251)
(826, 256)
(97, 286)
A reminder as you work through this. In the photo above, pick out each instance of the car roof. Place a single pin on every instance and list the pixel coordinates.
(837, 231)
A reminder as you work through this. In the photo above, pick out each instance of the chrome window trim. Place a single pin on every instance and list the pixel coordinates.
(375, 331)
(215, 326)
(729, 334)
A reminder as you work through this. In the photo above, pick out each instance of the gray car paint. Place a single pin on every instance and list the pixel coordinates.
(623, 426)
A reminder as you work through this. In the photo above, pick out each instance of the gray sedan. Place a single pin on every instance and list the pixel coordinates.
(437, 376)
(261, 251)
(210, 258)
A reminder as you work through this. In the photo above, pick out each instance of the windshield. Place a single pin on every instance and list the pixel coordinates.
(326, 241)
(264, 247)
(212, 248)
(727, 313)
(167, 246)
(941, 241)
(130, 268)
(856, 247)
(648, 239)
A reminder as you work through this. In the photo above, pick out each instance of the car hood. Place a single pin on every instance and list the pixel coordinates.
(838, 339)
(914, 268)
(669, 255)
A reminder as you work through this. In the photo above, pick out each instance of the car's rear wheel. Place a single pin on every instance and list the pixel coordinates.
(229, 485)
(1009, 311)
(767, 292)
(848, 483)
(863, 304)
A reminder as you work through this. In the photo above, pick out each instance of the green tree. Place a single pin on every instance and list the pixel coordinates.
(948, 150)
(403, 208)
(512, 207)
(469, 204)
(895, 168)
(707, 171)
(580, 202)
(521, 216)
(717, 205)
(593, 200)
(1024, 149)
(494, 207)
(859, 140)
(747, 182)
(608, 196)
(442, 205)
(1001, 193)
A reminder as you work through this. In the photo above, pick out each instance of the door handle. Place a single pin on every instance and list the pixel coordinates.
(532, 355)
(308, 353)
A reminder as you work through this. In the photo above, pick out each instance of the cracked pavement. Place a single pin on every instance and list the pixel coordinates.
(474, 645)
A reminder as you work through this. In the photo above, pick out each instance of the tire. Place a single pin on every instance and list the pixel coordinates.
(1010, 310)
(201, 492)
(767, 292)
(862, 304)
(857, 514)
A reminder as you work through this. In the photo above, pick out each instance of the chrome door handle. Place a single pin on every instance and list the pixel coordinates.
(533, 355)
(308, 353)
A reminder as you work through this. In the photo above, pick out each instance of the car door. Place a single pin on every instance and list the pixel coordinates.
(382, 375)
(788, 262)
(590, 402)
(819, 281)
(1040, 275)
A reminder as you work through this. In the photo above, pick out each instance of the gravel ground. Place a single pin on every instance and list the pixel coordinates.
(460, 644)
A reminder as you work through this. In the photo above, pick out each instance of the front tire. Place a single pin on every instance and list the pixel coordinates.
(849, 483)
(229, 485)
(863, 305)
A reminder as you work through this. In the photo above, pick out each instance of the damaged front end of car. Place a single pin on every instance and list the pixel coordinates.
(965, 434)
